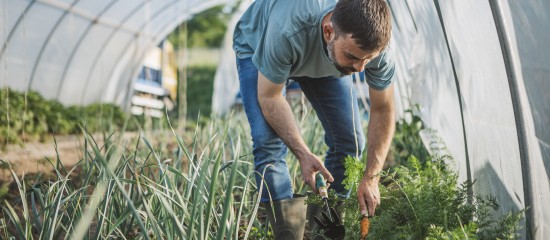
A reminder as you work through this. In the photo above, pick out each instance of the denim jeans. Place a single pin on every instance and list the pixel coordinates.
(332, 99)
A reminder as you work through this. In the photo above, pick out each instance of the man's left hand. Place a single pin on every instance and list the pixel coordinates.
(368, 195)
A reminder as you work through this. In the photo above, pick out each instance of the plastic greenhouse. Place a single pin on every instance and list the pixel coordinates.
(56, 47)
(477, 69)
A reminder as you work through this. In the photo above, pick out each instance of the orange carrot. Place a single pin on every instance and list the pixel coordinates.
(364, 227)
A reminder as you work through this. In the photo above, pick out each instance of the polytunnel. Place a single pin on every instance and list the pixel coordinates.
(477, 69)
(84, 51)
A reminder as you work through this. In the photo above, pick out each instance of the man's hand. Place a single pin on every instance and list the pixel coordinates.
(368, 195)
(310, 164)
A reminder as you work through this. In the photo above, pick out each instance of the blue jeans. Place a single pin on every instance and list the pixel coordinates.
(332, 101)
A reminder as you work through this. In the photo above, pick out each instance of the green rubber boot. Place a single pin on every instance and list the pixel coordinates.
(287, 217)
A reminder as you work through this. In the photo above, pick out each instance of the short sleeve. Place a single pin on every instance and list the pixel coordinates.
(380, 70)
(273, 56)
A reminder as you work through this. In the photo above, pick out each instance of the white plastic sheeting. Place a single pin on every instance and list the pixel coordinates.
(479, 69)
(84, 51)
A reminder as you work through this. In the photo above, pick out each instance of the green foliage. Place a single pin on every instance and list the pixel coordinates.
(199, 189)
(205, 29)
(16, 122)
(200, 86)
(418, 198)
(257, 233)
(421, 198)
(505, 227)
(354, 172)
(138, 190)
(465, 232)
(406, 140)
(3, 191)
(424, 201)
(28, 117)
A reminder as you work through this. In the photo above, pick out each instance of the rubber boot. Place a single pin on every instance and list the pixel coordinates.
(287, 217)
(313, 231)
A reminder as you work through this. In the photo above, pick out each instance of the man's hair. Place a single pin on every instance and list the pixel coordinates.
(368, 21)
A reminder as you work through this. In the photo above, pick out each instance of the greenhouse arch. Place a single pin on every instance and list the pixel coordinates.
(96, 47)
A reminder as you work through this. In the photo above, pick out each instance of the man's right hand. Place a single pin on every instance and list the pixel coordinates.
(310, 164)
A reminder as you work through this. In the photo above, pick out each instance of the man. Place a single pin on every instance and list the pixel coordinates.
(317, 43)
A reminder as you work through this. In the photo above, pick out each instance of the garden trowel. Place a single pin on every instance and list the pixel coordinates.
(332, 224)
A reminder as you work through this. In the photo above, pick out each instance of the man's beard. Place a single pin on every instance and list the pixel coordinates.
(332, 58)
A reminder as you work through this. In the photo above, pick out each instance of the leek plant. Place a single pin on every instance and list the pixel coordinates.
(142, 188)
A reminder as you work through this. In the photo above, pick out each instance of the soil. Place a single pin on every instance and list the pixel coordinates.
(32, 157)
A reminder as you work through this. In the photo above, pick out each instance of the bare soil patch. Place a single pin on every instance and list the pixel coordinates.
(32, 157)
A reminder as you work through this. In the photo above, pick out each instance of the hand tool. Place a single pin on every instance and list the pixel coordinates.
(332, 226)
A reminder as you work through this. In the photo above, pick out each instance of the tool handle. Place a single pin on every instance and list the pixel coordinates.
(321, 185)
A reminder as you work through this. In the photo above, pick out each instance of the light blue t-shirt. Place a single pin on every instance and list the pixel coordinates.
(284, 40)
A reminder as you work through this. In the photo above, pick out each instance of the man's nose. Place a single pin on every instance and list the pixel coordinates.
(359, 66)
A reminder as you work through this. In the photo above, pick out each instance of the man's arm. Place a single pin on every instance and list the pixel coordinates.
(379, 136)
(278, 114)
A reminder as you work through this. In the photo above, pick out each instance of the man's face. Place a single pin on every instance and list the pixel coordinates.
(346, 55)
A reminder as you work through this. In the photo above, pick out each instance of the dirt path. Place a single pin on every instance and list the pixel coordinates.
(32, 157)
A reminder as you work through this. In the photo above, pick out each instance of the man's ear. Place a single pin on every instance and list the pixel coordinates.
(328, 31)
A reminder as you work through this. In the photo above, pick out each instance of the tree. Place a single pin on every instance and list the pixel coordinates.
(205, 29)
